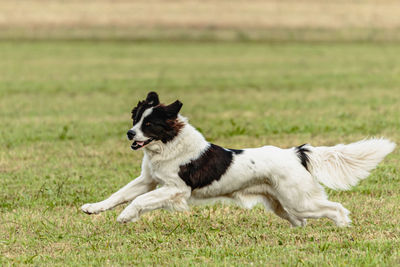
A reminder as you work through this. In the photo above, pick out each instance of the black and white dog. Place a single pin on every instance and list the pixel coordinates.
(180, 168)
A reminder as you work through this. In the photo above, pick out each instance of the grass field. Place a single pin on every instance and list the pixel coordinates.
(65, 109)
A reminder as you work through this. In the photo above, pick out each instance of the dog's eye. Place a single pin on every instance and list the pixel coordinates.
(147, 124)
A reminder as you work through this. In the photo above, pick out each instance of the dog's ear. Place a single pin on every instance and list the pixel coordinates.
(152, 99)
(173, 109)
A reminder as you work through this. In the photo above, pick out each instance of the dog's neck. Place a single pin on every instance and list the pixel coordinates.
(188, 142)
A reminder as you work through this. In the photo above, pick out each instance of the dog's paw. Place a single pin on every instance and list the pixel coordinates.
(303, 222)
(298, 222)
(126, 217)
(344, 222)
(92, 208)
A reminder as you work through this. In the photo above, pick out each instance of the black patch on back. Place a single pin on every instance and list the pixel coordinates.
(301, 152)
(237, 151)
(209, 167)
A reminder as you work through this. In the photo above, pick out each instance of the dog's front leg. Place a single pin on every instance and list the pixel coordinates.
(137, 187)
(165, 197)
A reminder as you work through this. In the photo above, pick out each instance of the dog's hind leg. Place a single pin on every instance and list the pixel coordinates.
(278, 209)
(249, 200)
(308, 200)
(325, 208)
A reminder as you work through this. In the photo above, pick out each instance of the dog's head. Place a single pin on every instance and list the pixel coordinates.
(153, 121)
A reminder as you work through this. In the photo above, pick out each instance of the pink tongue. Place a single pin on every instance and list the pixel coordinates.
(140, 143)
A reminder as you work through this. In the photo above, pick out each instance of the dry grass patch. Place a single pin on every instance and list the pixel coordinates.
(238, 14)
(273, 19)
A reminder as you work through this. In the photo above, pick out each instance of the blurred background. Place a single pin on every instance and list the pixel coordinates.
(249, 73)
(271, 20)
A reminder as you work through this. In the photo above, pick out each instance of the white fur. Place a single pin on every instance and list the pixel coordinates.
(138, 126)
(268, 175)
(342, 166)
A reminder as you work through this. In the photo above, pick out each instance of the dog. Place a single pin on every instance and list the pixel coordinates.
(180, 168)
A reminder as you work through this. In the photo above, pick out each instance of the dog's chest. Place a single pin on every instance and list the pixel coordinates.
(164, 172)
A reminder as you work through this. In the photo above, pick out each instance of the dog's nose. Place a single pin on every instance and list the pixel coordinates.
(131, 134)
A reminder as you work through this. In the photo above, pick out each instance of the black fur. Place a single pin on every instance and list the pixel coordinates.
(150, 101)
(302, 154)
(237, 151)
(209, 167)
(161, 124)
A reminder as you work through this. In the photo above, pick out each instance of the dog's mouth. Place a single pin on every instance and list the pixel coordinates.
(139, 144)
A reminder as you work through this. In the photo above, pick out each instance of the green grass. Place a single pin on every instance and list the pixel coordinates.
(65, 108)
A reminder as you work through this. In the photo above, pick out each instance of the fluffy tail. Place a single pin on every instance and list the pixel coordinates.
(342, 166)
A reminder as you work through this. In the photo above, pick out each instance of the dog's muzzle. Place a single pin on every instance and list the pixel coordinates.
(139, 144)
(131, 134)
